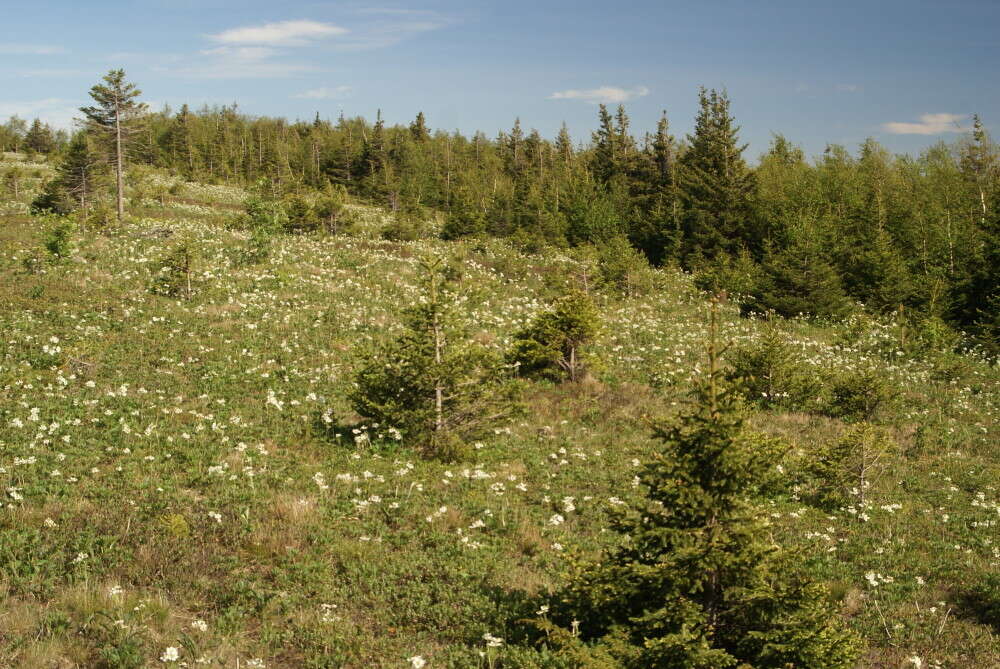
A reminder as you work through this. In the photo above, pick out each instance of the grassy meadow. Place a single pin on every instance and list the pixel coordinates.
(177, 489)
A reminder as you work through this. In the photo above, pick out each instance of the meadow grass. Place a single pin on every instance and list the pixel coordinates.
(174, 474)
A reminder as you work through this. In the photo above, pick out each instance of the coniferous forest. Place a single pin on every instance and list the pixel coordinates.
(333, 393)
(818, 236)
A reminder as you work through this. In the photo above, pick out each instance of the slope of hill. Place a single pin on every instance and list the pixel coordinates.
(170, 488)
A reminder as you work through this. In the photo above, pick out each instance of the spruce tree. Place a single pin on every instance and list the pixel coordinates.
(418, 129)
(695, 583)
(556, 343)
(433, 382)
(115, 116)
(716, 184)
(39, 138)
(605, 140)
(74, 183)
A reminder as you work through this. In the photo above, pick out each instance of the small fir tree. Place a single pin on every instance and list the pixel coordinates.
(799, 280)
(265, 217)
(554, 344)
(433, 382)
(175, 271)
(771, 374)
(695, 582)
(74, 185)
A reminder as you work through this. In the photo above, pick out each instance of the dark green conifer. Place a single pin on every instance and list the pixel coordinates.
(696, 582)
(716, 185)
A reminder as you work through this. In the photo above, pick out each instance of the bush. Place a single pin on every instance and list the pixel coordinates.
(624, 268)
(59, 239)
(772, 375)
(300, 215)
(100, 215)
(735, 277)
(843, 473)
(799, 280)
(554, 344)
(982, 601)
(264, 218)
(464, 223)
(433, 383)
(173, 277)
(54, 199)
(858, 395)
(404, 228)
(332, 214)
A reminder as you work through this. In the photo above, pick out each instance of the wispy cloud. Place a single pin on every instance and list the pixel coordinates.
(324, 93)
(605, 94)
(930, 124)
(848, 88)
(240, 62)
(282, 33)
(382, 28)
(58, 112)
(241, 53)
(31, 50)
(269, 50)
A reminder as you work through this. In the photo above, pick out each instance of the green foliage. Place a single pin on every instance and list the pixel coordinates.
(434, 383)
(332, 214)
(772, 374)
(174, 271)
(74, 185)
(799, 281)
(554, 344)
(736, 276)
(695, 582)
(265, 217)
(114, 118)
(53, 199)
(99, 216)
(858, 395)
(844, 472)
(300, 215)
(464, 222)
(59, 239)
(716, 185)
(405, 227)
(624, 268)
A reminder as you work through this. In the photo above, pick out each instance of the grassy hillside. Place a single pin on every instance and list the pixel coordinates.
(169, 477)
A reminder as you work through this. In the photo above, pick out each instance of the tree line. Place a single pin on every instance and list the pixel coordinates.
(816, 237)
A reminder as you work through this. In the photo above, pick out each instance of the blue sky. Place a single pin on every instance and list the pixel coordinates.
(907, 73)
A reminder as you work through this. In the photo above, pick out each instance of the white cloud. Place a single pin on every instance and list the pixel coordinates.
(57, 112)
(325, 93)
(930, 124)
(605, 94)
(30, 50)
(282, 33)
(382, 28)
(241, 53)
(239, 62)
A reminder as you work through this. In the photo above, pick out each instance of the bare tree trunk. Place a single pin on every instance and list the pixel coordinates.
(982, 203)
(438, 388)
(119, 167)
